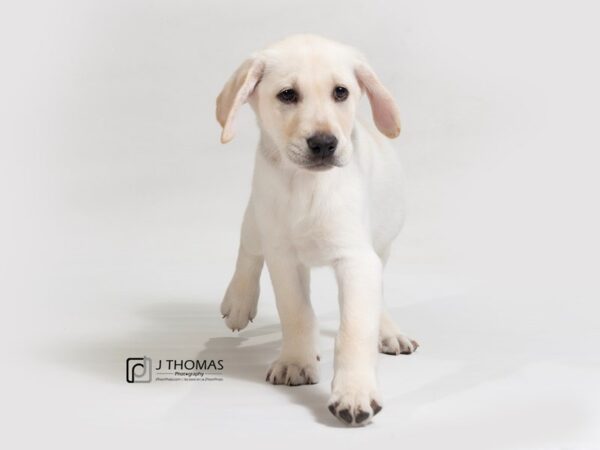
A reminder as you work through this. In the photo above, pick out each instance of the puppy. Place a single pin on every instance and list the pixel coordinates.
(326, 191)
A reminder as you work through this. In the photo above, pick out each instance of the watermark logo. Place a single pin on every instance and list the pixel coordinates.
(139, 370)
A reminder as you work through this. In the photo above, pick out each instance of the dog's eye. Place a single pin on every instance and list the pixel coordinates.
(340, 93)
(288, 96)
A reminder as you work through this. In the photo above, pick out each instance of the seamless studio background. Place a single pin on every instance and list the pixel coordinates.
(121, 212)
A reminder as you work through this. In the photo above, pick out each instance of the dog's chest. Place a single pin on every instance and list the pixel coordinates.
(312, 227)
(318, 219)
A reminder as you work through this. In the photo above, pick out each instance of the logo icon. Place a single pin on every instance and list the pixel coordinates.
(139, 370)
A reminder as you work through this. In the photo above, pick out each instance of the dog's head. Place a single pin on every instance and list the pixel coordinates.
(305, 91)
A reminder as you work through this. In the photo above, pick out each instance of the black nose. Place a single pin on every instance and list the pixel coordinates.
(322, 145)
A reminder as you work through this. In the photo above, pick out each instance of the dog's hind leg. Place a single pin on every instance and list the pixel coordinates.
(391, 340)
(239, 305)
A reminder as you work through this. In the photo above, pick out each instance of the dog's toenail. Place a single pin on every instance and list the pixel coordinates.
(375, 407)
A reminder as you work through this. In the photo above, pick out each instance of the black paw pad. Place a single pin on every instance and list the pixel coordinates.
(361, 416)
(345, 415)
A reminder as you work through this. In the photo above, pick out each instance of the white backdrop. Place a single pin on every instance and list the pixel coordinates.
(121, 213)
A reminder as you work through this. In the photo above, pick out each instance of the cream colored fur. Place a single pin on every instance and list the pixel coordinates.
(344, 215)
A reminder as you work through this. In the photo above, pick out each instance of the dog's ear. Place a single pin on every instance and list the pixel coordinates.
(384, 109)
(236, 92)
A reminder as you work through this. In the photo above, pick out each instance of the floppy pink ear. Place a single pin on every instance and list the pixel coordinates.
(235, 93)
(384, 109)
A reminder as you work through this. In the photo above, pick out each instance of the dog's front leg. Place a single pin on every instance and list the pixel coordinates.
(354, 397)
(297, 363)
(239, 304)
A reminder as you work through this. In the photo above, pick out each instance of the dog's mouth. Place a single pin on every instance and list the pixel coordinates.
(299, 157)
(320, 166)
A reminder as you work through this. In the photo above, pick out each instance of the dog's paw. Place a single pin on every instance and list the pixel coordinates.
(397, 344)
(354, 405)
(293, 373)
(239, 304)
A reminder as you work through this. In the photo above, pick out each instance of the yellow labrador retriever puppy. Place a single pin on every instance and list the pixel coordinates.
(326, 192)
